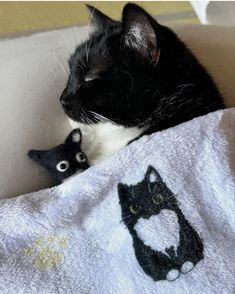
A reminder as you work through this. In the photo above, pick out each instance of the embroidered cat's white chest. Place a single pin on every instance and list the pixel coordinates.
(160, 231)
(104, 139)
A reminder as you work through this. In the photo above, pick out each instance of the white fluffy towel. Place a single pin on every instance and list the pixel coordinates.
(157, 217)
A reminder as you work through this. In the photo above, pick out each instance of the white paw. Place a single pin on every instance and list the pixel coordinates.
(187, 267)
(172, 275)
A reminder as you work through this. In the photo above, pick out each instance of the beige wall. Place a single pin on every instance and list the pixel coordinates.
(28, 16)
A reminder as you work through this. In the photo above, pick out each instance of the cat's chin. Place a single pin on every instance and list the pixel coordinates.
(147, 216)
(72, 116)
(102, 140)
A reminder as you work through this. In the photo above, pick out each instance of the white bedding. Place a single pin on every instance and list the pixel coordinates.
(69, 239)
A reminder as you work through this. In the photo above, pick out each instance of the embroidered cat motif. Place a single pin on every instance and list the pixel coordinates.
(165, 243)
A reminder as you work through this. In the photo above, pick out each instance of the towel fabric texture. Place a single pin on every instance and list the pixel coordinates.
(157, 217)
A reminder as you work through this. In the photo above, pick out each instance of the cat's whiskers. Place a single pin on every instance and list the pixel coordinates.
(129, 222)
(125, 217)
(82, 119)
(169, 199)
(64, 46)
(88, 49)
(61, 66)
(82, 62)
(76, 44)
(89, 23)
(75, 39)
(85, 117)
(101, 118)
(74, 35)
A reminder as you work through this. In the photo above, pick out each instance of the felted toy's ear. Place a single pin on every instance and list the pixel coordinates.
(74, 137)
(38, 155)
(152, 176)
(139, 32)
(98, 18)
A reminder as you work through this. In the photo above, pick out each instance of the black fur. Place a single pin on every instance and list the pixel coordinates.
(141, 198)
(156, 83)
(66, 154)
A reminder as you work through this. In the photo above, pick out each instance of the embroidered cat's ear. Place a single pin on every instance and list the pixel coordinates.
(152, 176)
(140, 33)
(124, 192)
(74, 137)
(99, 19)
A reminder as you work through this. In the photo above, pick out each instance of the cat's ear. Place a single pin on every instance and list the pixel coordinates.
(99, 19)
(74, 137)
(123, 191)
(139, 33)
(152, 176)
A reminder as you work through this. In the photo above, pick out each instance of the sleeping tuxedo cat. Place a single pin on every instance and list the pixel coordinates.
(165, 243)
(132, 77)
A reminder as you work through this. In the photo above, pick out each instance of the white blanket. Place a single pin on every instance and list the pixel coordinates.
(174, 191)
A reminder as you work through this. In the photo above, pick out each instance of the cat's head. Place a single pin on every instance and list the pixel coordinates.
(146, 198)
(118, 66)
(63, 160)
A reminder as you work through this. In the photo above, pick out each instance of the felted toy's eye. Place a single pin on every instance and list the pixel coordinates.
(80, 157)
(62, 166)
(157, 198)
(134, 208)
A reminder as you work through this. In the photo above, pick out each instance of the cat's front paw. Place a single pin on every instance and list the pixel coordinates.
(172, 275)
(187, 267)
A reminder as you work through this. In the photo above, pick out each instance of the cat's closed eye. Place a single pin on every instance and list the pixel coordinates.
(89, 81)
(157, 199)
(90, 78)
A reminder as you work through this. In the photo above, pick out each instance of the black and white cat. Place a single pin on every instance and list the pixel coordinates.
(165, 243)
(133, 77)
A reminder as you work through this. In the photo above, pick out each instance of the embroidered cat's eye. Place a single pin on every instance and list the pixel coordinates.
(157, 198)
(134, 208)
(62, 166)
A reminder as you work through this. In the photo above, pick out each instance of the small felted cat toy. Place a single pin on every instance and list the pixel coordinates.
(64, 160)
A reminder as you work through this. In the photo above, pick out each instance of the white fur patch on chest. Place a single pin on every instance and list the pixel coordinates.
(159, 231)
(104, 139)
